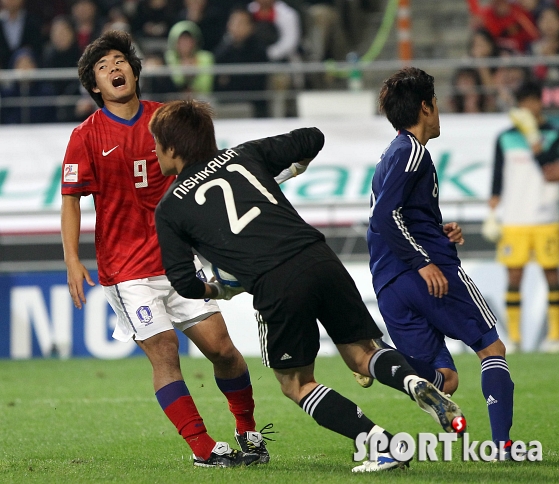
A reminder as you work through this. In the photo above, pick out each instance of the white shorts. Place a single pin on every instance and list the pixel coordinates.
(149, 306)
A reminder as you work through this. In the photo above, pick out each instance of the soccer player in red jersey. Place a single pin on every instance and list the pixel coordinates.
(111, 156)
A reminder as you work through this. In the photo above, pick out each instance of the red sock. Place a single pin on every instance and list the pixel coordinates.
(184, 415)
(238, 392)
(241, 405)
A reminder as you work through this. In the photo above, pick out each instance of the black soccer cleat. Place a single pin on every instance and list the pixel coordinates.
(253, 443)
(224, 456)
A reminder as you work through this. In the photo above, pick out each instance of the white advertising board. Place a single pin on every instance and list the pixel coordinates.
(335, 189)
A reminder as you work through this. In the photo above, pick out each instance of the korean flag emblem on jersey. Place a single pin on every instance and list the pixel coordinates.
(70, 173)
(144, 315)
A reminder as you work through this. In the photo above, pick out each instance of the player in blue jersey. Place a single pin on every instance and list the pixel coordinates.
(423, 293)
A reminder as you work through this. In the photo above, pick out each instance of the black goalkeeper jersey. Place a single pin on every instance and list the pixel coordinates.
(231, 211)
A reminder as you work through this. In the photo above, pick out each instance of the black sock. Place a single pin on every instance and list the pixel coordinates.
(427, 371)
(423, 369)
(390, 368)
(335, 412)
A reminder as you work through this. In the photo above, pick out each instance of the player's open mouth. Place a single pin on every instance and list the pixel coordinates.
(119, 81)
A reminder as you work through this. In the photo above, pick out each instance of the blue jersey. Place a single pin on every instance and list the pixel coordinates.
(405, 225)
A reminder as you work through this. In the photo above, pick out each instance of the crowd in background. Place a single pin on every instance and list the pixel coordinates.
(504, 28)
(176, 33)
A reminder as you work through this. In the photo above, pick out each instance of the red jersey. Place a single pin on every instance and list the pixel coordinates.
(114, 159)
(514, 30)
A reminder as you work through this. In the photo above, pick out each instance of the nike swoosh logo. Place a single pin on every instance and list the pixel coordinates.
(105, 153)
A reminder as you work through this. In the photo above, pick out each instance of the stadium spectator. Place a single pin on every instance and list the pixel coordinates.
(23, 59)
(324, 36)
(152, 86)
(116, 19)
(482, 46)
(282, 261)
(468, 94)
(423, 293)
(105, 6)
(548, 44)
(46, 11)
(153, 20)
(111, 156)
(510, 24)
(62, 51)
(535, 7)
(279, 27)
(211, 18)
(183, 50)
(87, 22)
(528, 208)
(508, 79)
(241, 46)
(18, 29)
(129, 7)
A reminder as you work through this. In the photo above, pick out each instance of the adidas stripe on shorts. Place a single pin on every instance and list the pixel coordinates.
(418, 322)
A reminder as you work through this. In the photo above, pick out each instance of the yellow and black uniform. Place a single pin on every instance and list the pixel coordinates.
(529, 215)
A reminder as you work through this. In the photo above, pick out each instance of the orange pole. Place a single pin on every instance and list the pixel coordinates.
(404, 30)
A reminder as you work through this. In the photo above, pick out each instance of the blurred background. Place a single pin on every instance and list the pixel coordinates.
(266, 66)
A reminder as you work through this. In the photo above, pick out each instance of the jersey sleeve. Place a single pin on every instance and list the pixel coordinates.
(408, 164)
(550, 152)
(498, 162)
(78, 174)
(178, 258)
(279, 152)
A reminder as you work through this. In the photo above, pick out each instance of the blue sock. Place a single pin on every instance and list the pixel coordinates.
(233, 384)
(171, 393)
(498, 390)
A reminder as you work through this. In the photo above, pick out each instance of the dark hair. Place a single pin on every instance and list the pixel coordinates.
(458, 97)
(402, 95)
(528, 89)
(111, 40)
(488, 37)
(187, 128)
(553, 8)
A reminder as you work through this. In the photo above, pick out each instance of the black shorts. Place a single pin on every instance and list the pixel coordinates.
(291, 297)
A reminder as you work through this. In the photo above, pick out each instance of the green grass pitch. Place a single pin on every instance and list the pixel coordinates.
(86, 420)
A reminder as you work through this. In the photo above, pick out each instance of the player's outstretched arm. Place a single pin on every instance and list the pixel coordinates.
(437, 283)
(292, 171)
(454, 233)
(70, 229)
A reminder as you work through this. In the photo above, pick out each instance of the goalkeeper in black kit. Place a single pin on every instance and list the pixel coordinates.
(227, 205)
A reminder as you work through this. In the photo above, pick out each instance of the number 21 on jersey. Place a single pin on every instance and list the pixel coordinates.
(237, 223)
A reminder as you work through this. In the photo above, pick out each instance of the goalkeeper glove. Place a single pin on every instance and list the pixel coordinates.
(223, 291)
(291, 172)
(527, 124)
(491, 228)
